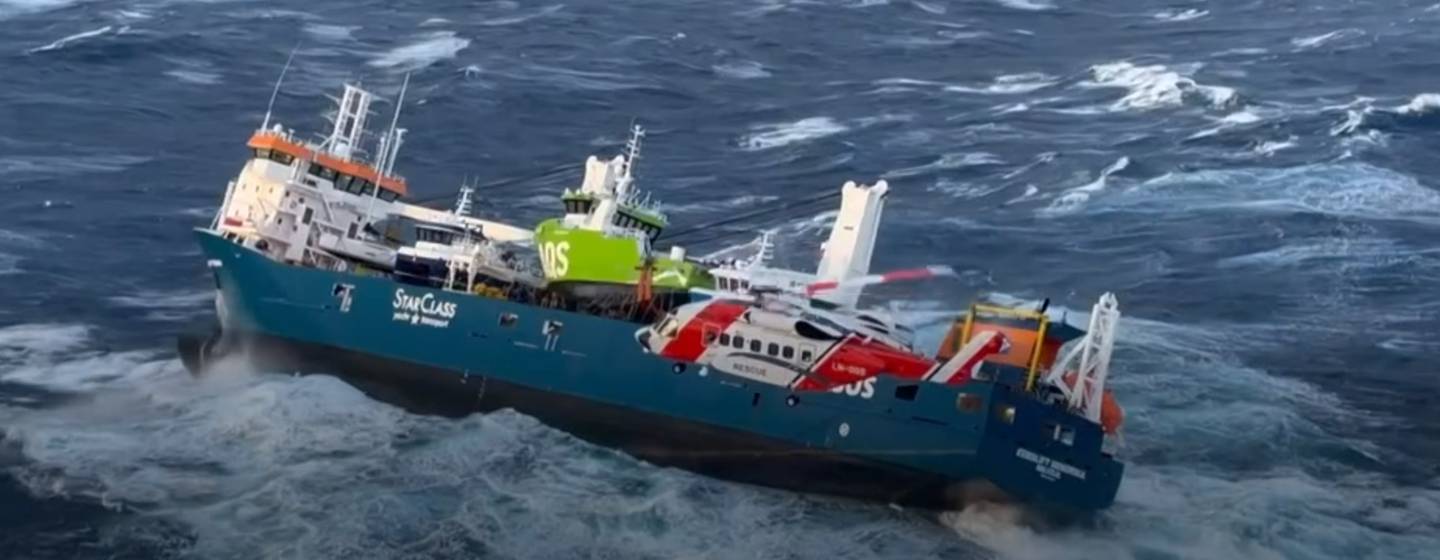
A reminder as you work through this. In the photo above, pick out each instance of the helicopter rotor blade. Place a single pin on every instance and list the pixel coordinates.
(922, 273)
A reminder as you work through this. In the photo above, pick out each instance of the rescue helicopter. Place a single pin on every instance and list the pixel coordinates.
(792, 338)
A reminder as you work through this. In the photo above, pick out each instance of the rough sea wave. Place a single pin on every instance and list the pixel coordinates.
(1257, 185)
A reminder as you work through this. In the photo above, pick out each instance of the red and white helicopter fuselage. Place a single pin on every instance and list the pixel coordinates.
(782, 344)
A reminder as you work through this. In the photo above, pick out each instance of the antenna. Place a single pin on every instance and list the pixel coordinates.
(275, 92)
(766, 252)
(464, 202)
(388, 152)
(633, 148)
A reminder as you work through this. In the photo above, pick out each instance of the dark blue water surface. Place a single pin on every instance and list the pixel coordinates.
(1256, 180)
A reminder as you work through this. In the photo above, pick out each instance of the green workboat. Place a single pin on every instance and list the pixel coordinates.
(603, 243)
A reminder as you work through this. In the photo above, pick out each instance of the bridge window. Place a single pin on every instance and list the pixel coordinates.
(353, 227)
(739, 342)
(724, 339)
(710, 335)
(754, 345)
(309, 213)
(274, 155)
(788, 352)
(388, 195)
(773, 349)
(806, 356)
(323, 172)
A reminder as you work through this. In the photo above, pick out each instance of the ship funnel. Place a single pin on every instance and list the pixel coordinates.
(852, 239)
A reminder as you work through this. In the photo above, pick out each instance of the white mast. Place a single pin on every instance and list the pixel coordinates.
(389, 147)
(632, 148)
(463, 202)
(353, 109)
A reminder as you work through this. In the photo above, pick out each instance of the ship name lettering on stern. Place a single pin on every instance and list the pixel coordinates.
(423, 309)
(1048, 468)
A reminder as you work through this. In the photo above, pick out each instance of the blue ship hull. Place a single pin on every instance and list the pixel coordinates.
(908, 444)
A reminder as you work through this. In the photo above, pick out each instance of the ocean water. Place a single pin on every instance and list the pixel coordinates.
(1256, 181)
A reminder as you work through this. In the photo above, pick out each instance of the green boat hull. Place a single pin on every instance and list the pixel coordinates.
(588, 259)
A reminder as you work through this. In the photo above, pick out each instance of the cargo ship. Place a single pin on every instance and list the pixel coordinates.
(321, 266)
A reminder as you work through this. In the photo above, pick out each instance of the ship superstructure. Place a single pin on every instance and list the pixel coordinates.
(324, 203)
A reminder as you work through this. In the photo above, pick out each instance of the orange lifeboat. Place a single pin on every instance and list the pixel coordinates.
(1111, 415)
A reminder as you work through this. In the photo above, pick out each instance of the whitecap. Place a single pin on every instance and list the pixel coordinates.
(1311, 42)
(1154, 86)
(1010, 84)
(956, 160)
(767, 136)
(570, 78)
(743, 201)
(330, 32)
(1028, 5)
(56, 166)
(1031, 191)
(1420, 104)
(1243, 51)
(9, 8)
(1268, 148)
(133, 15)
(434, 21)
(884, 118)
(1338, 189)
(21, 342)
(511, 20)
(929, 7)
(1244, 117)
(54, 356)
(153, 299)
(78, 37)
(1018, 107)
(966, 189)
(429, 49)
(906, 82)
(1175, 16)
(194, 76)
(1076, 197)
(741, 70)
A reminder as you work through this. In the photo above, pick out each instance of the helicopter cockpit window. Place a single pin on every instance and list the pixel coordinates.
(669, 327)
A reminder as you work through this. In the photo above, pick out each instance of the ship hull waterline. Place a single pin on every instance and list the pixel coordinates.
(586, 376)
